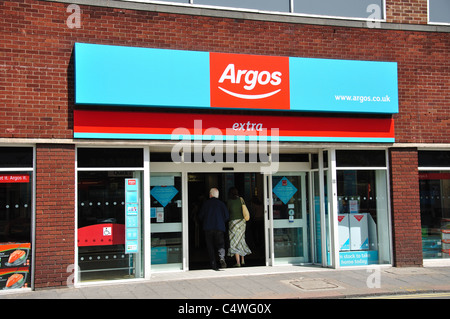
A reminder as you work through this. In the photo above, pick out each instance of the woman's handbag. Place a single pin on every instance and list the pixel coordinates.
(245, 211)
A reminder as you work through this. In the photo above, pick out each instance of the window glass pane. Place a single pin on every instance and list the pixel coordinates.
(340, 8)
(327, 220)
(110, 157)
(293, 157)
(15, 206)
(315, 160)
(253, 157)
(15, 228)
(439, 11)
(363, 223)
(288, 242)
(265, 5)
(435, 213)
(161, 157)
(362, 158)
(177, 1)
(11, 157)
(434, 159)
(101, 227)
(319, 223)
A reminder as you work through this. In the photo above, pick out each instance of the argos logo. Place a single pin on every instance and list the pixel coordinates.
(249, 81)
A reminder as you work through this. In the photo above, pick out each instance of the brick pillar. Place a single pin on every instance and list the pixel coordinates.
(407, 235)
(55, 217)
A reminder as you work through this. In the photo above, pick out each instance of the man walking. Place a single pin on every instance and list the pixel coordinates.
(214, 215)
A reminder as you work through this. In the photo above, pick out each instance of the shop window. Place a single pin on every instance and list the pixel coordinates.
(363, 217)
(434, 188)
(15, 217)
(435, 213)
(109, 247)
(101, 227)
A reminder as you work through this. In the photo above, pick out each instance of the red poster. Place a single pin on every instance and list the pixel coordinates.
(14, 178)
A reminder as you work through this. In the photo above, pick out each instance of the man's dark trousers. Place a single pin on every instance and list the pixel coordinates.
(215, 244)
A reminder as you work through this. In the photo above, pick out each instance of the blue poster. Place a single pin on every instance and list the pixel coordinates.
(132, 209)
(284, 190)
(358, 258)
(164, 194)
(131, 197)
(131, 234)
(159, 255)
(132, 222)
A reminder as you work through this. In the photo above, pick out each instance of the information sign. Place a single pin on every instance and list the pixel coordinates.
(132, 210)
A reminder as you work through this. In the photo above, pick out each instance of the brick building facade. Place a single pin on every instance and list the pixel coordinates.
(37, 93)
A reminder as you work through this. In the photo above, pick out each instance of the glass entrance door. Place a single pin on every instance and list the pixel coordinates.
(290, 218)
(166, 221)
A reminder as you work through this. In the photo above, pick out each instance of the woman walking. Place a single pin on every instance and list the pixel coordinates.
(237, 226)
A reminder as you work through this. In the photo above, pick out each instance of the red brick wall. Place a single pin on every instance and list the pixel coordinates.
(55, 217)
(36, 86)
(406, 222)
(407, 11)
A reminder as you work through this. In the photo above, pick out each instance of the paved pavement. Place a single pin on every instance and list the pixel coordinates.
(283, 282)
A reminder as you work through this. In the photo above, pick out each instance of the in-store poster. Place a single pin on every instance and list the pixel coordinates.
(15, 265)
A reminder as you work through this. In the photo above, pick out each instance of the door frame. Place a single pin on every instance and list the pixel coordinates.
(306, 197)
(186, 168)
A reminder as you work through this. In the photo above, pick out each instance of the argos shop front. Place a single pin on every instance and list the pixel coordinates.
(305, 142)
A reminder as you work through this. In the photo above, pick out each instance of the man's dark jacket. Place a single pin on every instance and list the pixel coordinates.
(214, 214)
